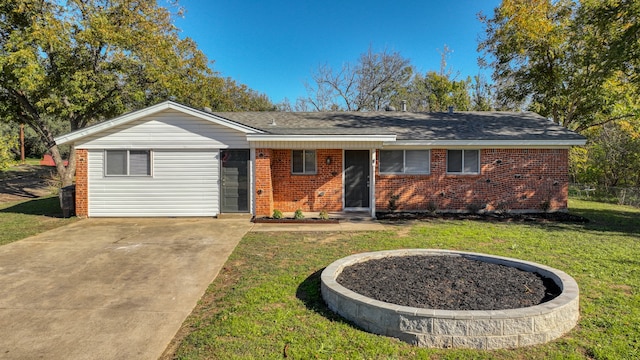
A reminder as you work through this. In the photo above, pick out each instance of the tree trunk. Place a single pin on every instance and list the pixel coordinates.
(66, 174)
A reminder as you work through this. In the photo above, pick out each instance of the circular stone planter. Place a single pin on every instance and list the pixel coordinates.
(473, 329)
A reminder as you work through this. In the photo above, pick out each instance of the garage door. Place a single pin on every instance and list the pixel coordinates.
(182, 183)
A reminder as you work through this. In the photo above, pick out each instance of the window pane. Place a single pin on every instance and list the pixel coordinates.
(297, 161)
(454, 161)
(471, 161)
(139, 162)
(416, 161)
(310, 161)
(390, 161)
(116, 162)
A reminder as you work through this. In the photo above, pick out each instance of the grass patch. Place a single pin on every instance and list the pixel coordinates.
(19, 220)
(266, 302)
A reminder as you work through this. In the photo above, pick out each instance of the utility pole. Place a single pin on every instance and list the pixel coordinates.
(22, 143)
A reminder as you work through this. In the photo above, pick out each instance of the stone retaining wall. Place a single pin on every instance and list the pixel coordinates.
(475, 329)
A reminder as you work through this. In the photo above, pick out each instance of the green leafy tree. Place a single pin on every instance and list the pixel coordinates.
(67, 64)
(551, 57)
(8, 146)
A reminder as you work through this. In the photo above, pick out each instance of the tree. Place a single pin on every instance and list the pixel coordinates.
(551, 57)
(369, 84)
(77, 62)
(481, 94)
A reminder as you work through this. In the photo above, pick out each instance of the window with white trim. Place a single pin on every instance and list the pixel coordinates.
(127, 163)
(405, 161)
(463, 161)
(303, 161)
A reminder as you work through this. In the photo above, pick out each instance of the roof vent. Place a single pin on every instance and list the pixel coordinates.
(450, 110)
(404, 105)
(207, 109)
(273, 122)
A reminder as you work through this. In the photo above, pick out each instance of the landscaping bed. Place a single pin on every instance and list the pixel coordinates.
(505, 217)
(295, 221)
(447, 283)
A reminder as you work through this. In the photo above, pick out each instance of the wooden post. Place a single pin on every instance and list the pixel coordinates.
(22, 143)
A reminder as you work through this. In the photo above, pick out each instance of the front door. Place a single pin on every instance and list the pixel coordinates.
(356, 179)
(235, 180)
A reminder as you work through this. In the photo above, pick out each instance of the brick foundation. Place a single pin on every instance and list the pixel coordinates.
(513, 179)
(82, 183)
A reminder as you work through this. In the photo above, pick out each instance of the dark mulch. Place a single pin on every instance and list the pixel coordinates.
(490, 216)
(447, 283)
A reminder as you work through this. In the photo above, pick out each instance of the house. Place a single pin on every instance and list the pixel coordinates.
(174, 160)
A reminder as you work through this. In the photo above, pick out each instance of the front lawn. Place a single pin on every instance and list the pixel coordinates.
(266, 302)
(22, 219)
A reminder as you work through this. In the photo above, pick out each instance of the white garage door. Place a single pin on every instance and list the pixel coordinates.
(182, 183)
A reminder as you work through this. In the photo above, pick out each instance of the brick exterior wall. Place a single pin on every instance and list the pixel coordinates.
(322, 191)
(264, 185)
(513, 179)
(82, 183)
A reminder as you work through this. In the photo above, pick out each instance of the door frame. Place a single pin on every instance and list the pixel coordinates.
(249, 181)
(371, 174)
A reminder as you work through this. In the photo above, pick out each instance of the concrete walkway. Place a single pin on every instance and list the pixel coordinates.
(108, 288)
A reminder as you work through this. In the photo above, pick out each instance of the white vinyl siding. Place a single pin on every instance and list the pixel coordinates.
(405, 161)
(169, 129)
(463, 161)
(184, 183)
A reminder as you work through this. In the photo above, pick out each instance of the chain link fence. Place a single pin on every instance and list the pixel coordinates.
(614, 195)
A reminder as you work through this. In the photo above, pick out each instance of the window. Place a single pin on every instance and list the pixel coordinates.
(463, 161)
(404, 161)
(303, 161)
(128, 163)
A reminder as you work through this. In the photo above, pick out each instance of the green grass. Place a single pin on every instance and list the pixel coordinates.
(266, 302)
(19, 220)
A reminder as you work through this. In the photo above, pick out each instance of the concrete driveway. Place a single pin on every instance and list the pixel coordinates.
(108, 288)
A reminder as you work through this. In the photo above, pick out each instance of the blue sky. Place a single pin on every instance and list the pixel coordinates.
(274, 46)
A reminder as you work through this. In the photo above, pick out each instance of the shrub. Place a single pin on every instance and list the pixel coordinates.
(393, 202)
(277, 214)
(324, 215)
(545, 206)
(432, 207)
(298, 215)
(474, 208)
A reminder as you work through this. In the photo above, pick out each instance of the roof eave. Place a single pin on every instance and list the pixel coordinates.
(307, 138)
(492, 143)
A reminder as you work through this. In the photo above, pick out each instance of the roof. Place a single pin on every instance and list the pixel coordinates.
(408, 126)
(391, 127)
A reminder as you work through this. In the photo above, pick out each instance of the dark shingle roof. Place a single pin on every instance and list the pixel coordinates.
(407, 125)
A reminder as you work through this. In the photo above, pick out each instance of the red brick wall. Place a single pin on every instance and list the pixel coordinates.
(321, 191)
(264, 187)
(515, 179)
(82, 183)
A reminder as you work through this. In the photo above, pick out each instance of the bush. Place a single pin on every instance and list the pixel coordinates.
(277, 214)
(298, 215)
(324, 215)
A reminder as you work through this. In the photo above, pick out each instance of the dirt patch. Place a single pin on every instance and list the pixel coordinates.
(447, 283)
(503, 217)
(26, 182)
